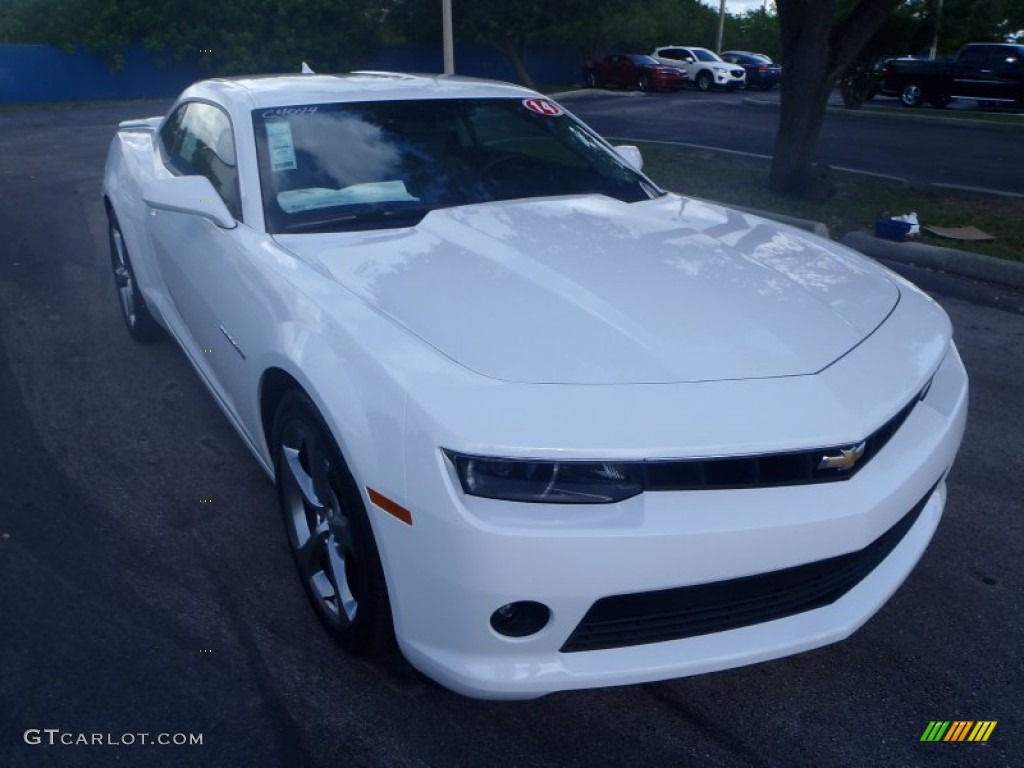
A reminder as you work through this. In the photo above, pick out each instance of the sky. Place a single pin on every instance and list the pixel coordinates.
(737, 6)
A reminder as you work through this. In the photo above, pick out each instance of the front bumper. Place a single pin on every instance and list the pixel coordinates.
(469, 556)
(730, 79)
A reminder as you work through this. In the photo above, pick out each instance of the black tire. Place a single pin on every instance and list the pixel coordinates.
(137, 318)
(940, 101)
(592, 80)
(704, 81)
(328, 530)
(912, 95)
(644, 83)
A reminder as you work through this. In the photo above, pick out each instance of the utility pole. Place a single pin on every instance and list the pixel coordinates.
(721, 26)
(449, 42)
(935, 34)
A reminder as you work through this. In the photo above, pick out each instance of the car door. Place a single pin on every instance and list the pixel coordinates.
(971, 74)
(631, 72)
(676, 57)
(1007, 73)
(205, 268)
(616, 73)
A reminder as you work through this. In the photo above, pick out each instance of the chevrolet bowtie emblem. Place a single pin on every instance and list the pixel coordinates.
(845, 460)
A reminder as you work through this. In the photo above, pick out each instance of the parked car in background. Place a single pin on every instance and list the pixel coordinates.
(761, 71)
(988, 72)
(632, 70)
(705, 68)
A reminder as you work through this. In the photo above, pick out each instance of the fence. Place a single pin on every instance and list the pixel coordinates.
(41, 73)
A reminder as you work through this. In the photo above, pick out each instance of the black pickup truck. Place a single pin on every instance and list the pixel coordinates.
(988, 72)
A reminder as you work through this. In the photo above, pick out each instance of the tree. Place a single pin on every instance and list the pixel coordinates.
(225, 36)
(819, 41)
(756, 30)
(589, 27)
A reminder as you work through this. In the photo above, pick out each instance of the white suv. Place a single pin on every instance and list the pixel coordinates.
(704, 68)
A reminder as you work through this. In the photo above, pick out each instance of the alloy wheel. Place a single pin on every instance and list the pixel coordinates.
(319, 526)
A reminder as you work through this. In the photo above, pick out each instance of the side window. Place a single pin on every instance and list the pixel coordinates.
(1002, 60)
(972, 57)
(170, 134)
(199, 142)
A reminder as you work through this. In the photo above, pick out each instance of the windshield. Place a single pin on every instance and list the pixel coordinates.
(332, 167)
(703, 54)
(644, 60)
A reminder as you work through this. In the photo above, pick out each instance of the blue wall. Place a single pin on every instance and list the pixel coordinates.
(41, 73)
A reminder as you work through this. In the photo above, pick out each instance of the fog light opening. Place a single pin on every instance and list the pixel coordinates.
(520, 619)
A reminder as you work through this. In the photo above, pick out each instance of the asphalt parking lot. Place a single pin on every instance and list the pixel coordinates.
(915, 146)
(146, 585)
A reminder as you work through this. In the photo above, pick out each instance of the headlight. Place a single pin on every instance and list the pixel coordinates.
(547, 482)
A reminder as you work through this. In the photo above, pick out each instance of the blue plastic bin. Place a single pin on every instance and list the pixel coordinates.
(888, 229)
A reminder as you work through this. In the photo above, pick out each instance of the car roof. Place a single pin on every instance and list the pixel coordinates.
(260, 91)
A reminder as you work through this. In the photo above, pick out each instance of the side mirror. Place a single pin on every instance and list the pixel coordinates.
(194, 195)
(631, 155)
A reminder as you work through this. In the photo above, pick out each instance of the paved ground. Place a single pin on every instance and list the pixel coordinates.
(950, 153)
(128, 606)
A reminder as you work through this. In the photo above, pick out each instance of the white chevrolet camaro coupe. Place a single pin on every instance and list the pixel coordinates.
(542, 423)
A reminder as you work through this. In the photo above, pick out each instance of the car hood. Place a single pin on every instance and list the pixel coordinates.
(590, 290)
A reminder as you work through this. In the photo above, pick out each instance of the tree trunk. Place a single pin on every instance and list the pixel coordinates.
(816, 49)
(805, 31)
(800, 121)
(516, 52)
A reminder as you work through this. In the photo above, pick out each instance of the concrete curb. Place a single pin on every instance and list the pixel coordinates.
(917, 118)
(974, 265)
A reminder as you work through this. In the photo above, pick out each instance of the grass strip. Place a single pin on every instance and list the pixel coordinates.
(857, 204)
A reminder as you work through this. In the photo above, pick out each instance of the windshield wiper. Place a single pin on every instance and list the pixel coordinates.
(373, 218)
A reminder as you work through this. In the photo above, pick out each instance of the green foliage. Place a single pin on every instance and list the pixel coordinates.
(274, 35)
(971, 21)
(226, 36)
(590, 27)
(640, 27)
(756, 31)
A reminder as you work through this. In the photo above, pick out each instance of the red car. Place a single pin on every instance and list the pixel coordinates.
(633, 70)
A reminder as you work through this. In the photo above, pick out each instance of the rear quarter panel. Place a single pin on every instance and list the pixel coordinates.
(132, 162)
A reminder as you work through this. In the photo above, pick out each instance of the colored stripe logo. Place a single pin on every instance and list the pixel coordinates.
(959, 730)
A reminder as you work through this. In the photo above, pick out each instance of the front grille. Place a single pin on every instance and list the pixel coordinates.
(766, 470)
(674, 614)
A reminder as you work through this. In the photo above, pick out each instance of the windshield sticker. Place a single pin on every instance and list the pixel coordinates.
(543, 107)
(288, 111)
(280, 145)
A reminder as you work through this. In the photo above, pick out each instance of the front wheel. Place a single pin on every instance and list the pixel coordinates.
(644, 84)
(592, 80)
(911, 95)
(329, 531)
(704, 81)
